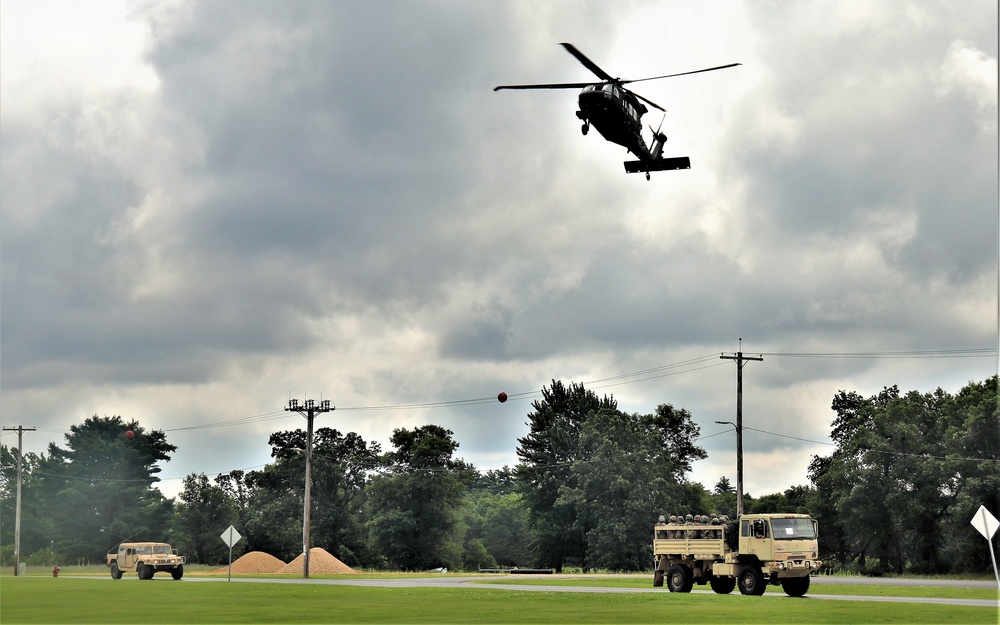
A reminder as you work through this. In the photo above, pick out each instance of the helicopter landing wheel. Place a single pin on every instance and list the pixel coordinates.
(647, 175)
(585, 128)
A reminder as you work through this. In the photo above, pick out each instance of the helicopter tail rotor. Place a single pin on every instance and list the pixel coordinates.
(658, 140)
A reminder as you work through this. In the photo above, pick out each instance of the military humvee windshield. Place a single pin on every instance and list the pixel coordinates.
(793, 529)
(162, 549)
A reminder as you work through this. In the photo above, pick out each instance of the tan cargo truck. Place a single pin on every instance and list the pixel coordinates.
(752, 552)
(145, 559)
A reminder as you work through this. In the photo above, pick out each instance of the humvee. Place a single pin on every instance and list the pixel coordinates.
(145, 559)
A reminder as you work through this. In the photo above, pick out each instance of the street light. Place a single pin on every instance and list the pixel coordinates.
(739, 466)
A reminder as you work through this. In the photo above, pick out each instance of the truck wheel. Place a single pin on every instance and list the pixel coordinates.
(143, 571)
(658, 578)
(116, 573)
(795, 586)
(178, 572)
(751, 580)
(723, 585)
(679, 578)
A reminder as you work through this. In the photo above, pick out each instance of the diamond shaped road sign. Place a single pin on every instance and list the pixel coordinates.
(231, 536)
(985, 522)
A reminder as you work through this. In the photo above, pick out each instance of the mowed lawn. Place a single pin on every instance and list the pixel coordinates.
(873, 590)
(88, 600)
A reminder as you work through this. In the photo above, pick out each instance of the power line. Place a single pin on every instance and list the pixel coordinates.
(267, 416)
(877, 451)
(915, 354)
(618, 380)
(643, 375)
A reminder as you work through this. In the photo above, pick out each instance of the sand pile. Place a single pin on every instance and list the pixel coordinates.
(255, 562)
(320, 563)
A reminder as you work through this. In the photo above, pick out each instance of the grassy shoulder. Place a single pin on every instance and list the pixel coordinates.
(36, 599)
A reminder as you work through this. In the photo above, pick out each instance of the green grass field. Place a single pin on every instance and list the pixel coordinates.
(941, 592)
(88, 600)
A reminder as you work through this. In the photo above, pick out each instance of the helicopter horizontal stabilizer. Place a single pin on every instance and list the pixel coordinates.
(660, 164)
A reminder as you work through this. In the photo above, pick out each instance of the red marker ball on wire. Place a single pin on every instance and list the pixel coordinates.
(502, 397)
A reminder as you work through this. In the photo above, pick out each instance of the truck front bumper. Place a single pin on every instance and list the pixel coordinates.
(795, 568)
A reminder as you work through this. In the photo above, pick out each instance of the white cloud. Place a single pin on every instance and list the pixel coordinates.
(974, 74)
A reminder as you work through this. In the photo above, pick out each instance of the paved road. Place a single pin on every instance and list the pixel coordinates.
(476, 582)
(894, 581)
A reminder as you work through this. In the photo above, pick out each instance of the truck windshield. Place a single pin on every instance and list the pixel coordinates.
(163, 549)
(793, 529)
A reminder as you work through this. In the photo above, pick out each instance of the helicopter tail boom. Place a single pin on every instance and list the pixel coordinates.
(660, 164)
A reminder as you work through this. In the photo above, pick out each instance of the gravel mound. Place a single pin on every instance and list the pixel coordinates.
(320, 563)
(255, 562)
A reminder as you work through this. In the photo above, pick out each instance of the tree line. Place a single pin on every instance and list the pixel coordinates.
(907, 473)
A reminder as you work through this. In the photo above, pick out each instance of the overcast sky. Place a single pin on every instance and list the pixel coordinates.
(211, 207)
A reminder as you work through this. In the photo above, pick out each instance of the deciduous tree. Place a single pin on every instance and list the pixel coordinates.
(202, 514)
(902, 474)
(594, 479)
(415, 508)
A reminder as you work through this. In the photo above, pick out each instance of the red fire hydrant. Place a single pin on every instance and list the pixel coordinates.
(55, 571)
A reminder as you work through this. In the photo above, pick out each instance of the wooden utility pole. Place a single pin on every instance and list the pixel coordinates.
(308, 410)
(740, 361)
(17, 508)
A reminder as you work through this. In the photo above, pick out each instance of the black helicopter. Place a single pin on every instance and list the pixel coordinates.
(616, 112)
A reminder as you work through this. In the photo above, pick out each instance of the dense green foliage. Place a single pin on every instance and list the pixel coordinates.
(415, 508)
(594, 478)
(203, 508)
(99, 490)
(907, 473)
(269, 502)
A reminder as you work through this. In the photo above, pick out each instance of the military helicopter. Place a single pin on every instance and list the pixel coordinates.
(616, 112)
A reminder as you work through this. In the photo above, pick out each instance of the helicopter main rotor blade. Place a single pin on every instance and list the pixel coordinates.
(648, 101)
(697, 71)
(600, 73)
(554, 85)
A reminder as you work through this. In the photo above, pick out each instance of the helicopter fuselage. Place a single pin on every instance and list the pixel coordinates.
(616, 114)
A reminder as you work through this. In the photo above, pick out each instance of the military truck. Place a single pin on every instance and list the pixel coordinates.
(751, 552)
(145, 559)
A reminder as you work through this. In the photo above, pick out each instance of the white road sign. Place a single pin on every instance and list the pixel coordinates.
(985, 522)
(231, 536)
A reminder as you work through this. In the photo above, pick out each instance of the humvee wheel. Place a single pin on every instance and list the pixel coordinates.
(144, 571)
(679, 578)
(116, 573)
(658, 578)
(723, 585)
(795, 586)
(751, 581)
(178, 572)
